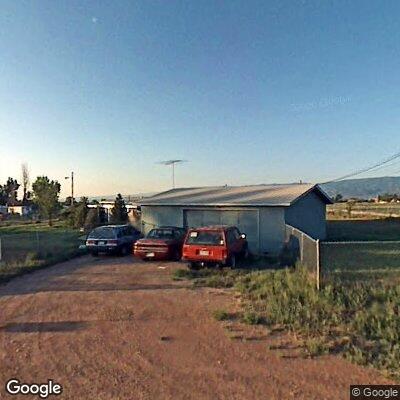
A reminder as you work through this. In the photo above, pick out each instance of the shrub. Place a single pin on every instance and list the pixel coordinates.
(220, 315)
(251, 318)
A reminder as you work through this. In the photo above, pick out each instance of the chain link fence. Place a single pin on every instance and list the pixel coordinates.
(345, 261)
(37, 245)
(360, 261)
(303, 248)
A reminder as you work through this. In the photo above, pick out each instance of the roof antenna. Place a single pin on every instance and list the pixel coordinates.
(172, 163)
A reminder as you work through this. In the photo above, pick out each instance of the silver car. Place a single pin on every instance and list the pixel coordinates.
(115, 239)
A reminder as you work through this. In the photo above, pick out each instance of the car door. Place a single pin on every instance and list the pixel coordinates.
(133, 234)
(231, 242)
(240, 242)
(233, 239)
(121, 235)
(179, 235)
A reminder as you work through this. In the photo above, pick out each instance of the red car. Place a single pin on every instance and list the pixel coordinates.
(164, 243)
(214, 245)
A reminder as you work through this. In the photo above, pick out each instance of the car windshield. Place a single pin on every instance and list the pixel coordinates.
(161, 234)
(103, 232)
(212, 238)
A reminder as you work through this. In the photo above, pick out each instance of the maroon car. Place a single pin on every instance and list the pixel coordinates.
(164, 243)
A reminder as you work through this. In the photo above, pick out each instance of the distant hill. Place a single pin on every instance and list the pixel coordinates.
(364, 188)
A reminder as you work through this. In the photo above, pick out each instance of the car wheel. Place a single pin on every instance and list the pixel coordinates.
(245, 253)
(124, 251)
(193, 266)
(232, 261)
(177, 255)
(94, 253)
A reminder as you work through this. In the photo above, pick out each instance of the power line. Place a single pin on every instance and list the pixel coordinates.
(366, 169)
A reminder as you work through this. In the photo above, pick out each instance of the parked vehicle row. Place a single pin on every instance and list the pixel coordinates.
(205, 246)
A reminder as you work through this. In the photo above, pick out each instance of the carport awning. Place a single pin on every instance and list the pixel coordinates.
(257, 195)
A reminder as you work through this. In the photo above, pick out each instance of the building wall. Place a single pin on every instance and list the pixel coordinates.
(272, 229)
(309, 215)
(153, 216)
(271, 225)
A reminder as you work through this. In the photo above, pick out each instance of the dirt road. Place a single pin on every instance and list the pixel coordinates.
(115, 328)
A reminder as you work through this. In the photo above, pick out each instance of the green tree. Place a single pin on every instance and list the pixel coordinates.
(119, 213)
(80, 213)
(3, 196)
(11, 190)
(46, 194)
(93, 219)
(68, 200)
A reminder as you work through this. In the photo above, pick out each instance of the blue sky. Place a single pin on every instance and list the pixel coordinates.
(246, 91)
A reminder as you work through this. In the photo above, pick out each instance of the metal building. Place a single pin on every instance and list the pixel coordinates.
(260, 211)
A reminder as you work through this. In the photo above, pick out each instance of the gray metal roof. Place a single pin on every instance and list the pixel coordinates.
(257, 195)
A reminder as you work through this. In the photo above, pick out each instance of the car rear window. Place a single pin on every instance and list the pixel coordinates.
(211, 238)
(161, 234)
(102, 233)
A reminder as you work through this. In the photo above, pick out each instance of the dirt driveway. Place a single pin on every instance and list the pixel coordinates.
(116, 328)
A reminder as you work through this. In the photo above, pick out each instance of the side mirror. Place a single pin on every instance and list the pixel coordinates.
(243, 236)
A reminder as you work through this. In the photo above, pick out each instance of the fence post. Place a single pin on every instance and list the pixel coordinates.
(318, 265)
(302, 248)
(37, 241)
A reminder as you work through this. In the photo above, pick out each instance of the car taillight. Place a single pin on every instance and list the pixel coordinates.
(112, 242)
(224, 253)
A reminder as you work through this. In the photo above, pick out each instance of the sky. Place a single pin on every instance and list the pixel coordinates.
(247, 92)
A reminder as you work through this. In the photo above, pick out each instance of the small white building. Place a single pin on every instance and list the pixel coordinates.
(23, 210)
(108, 205)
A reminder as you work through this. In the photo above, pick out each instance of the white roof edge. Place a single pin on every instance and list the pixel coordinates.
(157, 201)
(218, 205)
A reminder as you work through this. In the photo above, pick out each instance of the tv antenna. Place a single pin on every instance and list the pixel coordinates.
(172, 164)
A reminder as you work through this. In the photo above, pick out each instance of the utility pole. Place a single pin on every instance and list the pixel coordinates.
(72, 187)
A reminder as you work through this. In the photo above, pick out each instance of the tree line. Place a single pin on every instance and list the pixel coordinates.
(43, 195)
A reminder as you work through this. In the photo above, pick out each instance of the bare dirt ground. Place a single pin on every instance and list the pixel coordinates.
(117, 328)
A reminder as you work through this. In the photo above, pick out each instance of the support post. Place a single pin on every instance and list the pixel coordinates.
(37, 241)
(302, 247)
(318, 277)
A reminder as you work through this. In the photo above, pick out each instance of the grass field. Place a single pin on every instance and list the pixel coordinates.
(376, 256)
(25, 247)
(363, 210)
(361, 261)
(372, 229)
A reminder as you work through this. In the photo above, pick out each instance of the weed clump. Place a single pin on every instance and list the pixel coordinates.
(221, 315)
